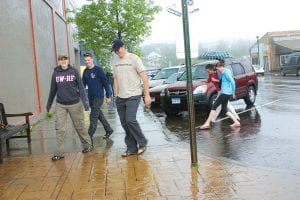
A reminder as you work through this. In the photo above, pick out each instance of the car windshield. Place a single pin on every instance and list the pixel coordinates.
(198, 72)
(171, 79)
(165, 73)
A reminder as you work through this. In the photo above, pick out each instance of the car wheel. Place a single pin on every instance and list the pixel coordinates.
(298, 72)
(282, 73)
(251, 96)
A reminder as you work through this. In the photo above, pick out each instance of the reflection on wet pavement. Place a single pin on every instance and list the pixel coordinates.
(268, 136)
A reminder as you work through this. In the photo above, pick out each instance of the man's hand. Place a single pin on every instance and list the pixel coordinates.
(147, 100)
(108, 100)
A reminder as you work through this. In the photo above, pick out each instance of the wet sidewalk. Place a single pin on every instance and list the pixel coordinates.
(162, 172)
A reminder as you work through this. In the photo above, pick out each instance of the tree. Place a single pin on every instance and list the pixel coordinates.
(102, 21)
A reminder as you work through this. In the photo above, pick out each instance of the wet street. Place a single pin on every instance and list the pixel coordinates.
(269, 133)
(258, 161)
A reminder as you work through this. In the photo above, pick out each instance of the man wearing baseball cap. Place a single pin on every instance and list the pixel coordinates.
(67, 86)
(129, 74)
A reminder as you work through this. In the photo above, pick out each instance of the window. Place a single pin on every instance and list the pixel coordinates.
(237, 69)
(254, 60)
(198, 71)
(298, 60)
(293, 60)
(165, 73)
(283, 59)
(247, 66)
(181, 70)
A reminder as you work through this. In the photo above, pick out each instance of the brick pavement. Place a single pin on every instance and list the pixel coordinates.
(162, 172)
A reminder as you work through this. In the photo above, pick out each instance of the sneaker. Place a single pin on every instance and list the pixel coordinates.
(88, 149)
(107, 135)
(141, 150)
(55, 158)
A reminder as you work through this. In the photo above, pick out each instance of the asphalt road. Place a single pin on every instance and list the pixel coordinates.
(269, 135)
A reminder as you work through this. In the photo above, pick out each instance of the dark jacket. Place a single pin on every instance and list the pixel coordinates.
(68, 88)
(96, 81)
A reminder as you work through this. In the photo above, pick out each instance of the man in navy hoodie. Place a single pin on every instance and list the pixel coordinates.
(94, 77)
(67, 86)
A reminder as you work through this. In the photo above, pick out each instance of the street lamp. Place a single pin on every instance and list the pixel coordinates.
(258, 57)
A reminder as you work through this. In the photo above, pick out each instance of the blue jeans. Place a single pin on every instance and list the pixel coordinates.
(127, 110)
(96, 114)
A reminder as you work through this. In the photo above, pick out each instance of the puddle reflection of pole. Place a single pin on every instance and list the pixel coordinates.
(194, 183)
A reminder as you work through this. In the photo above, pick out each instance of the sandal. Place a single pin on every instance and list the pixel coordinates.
(141, 150)
(204, 127)
(235, 125)
(127, 153)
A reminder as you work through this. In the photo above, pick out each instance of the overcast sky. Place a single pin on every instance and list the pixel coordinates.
(225, 19)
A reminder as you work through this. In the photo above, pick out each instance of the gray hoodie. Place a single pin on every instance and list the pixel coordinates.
(68, 87)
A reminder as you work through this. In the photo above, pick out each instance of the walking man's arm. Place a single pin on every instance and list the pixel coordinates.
(147, 98)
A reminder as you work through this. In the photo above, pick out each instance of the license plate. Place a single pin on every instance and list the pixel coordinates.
(152, 99)
(175, 100)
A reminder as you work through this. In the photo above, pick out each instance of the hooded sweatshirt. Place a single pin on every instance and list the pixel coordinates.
(68, 87)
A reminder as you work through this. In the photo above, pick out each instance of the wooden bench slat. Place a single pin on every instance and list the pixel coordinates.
(9, 131)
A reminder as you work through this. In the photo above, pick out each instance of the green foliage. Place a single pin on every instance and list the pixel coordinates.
(102, 21)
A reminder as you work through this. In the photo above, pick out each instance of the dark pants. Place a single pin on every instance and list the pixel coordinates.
(127, 110)
(222, 99)
(96, 114)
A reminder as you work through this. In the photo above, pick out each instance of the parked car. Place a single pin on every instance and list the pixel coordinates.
(292, 65)
(152, 72)
(259, 70)
(155, 91)
(164, 73)
(174, 97)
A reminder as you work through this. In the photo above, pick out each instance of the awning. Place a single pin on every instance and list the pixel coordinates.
(213, 55)
(290, 44)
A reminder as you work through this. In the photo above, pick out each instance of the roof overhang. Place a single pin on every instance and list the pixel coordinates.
(290, 44)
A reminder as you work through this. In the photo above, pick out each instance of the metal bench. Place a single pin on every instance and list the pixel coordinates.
(8, 131)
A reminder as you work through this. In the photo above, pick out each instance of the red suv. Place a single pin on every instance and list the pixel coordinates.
(174, 97)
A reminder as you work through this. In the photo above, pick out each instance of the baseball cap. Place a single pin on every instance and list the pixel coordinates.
(62, 56)
(88, 54)
(117, 44)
